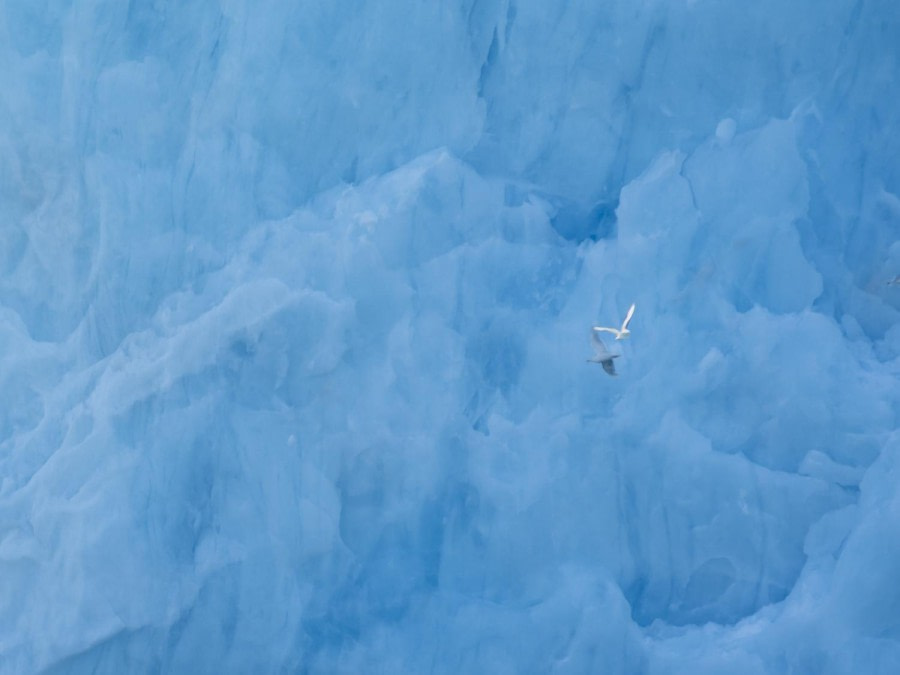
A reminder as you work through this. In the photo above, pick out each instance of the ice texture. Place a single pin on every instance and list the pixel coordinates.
(295, 301)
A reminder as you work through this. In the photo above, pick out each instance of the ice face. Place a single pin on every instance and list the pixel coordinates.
(295, 303)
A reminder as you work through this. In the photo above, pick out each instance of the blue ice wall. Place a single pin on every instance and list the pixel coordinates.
(295, 302)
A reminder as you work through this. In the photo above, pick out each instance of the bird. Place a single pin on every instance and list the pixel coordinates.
(893, 282)
(603, 355)
(623, 331)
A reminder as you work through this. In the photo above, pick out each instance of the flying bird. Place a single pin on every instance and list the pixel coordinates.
(623, 331)
(603, 355)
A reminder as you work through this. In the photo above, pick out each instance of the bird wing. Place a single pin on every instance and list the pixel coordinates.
(628, 316)
(614, 331)
(599, 346)
(609, 366)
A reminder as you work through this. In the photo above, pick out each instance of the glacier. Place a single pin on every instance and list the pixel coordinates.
(295, 302)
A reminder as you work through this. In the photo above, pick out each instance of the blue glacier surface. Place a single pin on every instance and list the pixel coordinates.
(295, 307)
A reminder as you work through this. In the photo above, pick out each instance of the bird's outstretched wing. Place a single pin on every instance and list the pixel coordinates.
(599, 346)
(614, 331)
(628, 316)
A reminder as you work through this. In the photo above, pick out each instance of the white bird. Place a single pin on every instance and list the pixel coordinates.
(893, 282)
(603, 355)
(623, 331)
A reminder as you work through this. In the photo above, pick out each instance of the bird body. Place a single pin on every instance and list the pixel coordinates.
(622, 332)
